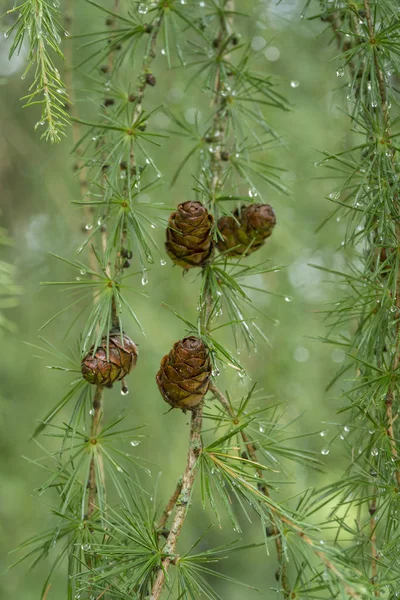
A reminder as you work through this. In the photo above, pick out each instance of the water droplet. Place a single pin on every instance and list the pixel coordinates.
(119, 469)
(94, 138)
(124, 391)
(374, 104)
(91, 412)
(253, 193)
(145, 279)
(202, 4)
(369, 86)
(135, 443)
(82, 271)
(23, 76)
(66, 33)
(163, 51)
(346, 429)
(321, 542)
(85, 547)
(143, 9)
(294, 84)
(371, 431)
(334, 195)
(77, 278)
(153, 226)
(325, 451)
(288, 299)
(216, 372)
(340, 72)
(374, 452)
(261, 429)
(88, 227)
(163, 262)
(341, 437)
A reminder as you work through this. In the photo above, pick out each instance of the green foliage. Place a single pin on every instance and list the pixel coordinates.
(366, 193)
(37, 27)
(107, 529)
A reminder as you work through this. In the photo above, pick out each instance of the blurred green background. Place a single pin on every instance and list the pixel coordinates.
(37, 186)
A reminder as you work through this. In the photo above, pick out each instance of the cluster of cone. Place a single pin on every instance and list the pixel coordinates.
(184, 375)
(190, 232)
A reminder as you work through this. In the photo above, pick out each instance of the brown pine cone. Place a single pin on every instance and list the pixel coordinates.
(122, 359)
(184, 374)
(189, 236)
(246, 230)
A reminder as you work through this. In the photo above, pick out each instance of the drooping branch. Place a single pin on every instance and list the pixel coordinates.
(379, 248)
(277, 514)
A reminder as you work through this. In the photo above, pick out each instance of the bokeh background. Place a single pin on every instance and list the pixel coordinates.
(37, 187)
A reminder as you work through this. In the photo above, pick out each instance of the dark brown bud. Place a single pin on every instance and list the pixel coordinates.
(126, 264)
(147, 27)
(123, 165)
(246, 230)
(184, 374)
(216, 42)
(150, 79)
(132, 97)
(104, 68)
(105, 365)
(109, 102)
(189, 235)
(225, 155)
(235, 39)
(109, 21)
(126, 253)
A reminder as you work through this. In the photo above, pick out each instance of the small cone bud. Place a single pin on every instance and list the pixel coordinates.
(246, 230)
(122, 357)
(189, 235)
(184, 374)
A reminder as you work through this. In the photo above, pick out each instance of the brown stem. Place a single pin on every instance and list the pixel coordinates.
(170, 505)
(374, 552)
(183, 502)
(94, 433)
